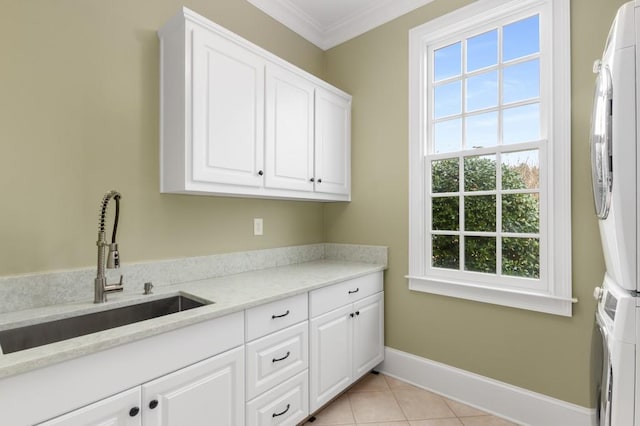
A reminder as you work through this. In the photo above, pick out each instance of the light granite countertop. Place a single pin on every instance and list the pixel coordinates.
(232, 293)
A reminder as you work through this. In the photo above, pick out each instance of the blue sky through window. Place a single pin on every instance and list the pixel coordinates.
(448, 62)
(521, 38)
(482, 51)
(518, 82)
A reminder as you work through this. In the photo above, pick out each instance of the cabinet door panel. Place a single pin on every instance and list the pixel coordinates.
(330, 355)
(332, 143)
(368, 334)
(285, 405)
(276, 357)
(113, 411)
(206, 393)
(228, 112)
(289, 138)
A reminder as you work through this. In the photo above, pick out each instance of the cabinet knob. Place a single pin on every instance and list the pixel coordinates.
(319, 180)
(260, 172)
(312, 180)
(351, 314)
(357, 312)
(153, 404)
(134, 411)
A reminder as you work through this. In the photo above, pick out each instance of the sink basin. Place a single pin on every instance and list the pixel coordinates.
(31, 336)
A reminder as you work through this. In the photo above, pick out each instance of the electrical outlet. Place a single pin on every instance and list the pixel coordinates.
(257, 226)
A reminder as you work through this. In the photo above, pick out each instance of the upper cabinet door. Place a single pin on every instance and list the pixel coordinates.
(289, 130)
(228, 111)
(333, 143)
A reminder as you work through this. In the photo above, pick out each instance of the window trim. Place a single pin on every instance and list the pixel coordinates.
(555, 295)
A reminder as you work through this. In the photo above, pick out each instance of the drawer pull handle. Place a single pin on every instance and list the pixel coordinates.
(354, 291)
(279, 414)
(283, 358)
(280, 316)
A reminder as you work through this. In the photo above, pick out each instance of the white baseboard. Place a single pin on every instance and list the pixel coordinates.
(519, 405)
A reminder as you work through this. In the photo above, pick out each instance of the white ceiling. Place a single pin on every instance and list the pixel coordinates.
(327, 23)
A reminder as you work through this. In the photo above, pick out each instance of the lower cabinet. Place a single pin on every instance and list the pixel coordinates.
(277, 362)
(209, 392)
(122, 409)
(298, 354)
(346, 342)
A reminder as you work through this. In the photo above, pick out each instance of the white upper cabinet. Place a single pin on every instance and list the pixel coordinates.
(228, 111)
(289, 136)
(237, 120)
(333, 143)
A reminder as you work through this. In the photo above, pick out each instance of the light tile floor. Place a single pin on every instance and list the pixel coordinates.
(380, 400)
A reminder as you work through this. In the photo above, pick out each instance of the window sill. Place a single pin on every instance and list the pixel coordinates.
(539, 302)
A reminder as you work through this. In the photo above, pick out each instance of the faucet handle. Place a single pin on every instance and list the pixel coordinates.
(113, 288)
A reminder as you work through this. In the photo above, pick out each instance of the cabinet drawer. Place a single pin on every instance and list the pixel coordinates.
(284, 405)
(328, 298)
(274, 316)
(275, 358)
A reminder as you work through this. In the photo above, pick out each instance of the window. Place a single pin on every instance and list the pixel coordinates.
(490, 155)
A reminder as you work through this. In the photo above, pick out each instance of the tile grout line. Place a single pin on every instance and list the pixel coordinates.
(395, 398)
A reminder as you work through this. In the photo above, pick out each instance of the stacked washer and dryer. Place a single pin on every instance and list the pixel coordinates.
(616, 180)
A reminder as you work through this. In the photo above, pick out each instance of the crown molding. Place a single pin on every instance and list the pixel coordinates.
(376, 13)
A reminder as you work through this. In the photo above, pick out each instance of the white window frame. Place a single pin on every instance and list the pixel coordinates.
(552, 292)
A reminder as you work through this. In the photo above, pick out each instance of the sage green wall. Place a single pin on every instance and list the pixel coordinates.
(79, 116)
(79, 106)
(545, 353)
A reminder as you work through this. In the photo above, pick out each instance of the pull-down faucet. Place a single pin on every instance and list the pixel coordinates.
(113, 258)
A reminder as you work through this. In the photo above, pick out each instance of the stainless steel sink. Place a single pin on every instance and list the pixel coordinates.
(31, 336)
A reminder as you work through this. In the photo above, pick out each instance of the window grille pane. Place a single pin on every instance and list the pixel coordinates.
(480, 254)
(480, 213)
(482, 91)
(482, 51)
(481, 130)
(521, 81)
(447, 99)
(448, 136)
(521, 38)
(521, 124)
(445, 213)
(521, 257)
(447, 62)
(444, 175)
(521, 213)
(521, 170)
(480, 173)
(445, 251)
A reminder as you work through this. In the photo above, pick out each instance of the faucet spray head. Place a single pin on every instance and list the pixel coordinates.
(113, 258)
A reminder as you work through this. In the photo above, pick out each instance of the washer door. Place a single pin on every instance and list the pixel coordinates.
(606, 385)
(601, 153)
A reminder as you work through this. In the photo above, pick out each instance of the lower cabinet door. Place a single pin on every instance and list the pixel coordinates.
(330, 355)
(122, 409)
(207, 393)
(368, 334)
(285, 405)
